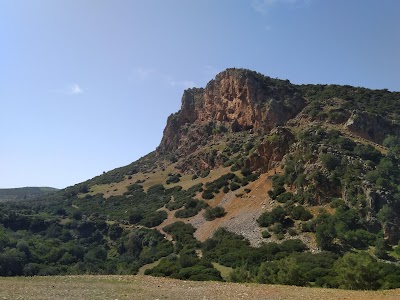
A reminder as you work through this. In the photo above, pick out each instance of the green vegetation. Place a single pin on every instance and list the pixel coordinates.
(355, 98)
(40, 246)
(213, 213)
(185, 264)
(24, 193)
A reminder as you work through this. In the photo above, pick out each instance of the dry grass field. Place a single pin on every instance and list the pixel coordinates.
(143, 287)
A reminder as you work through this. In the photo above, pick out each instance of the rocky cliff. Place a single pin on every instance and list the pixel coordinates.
(236, 100)
(371, 126)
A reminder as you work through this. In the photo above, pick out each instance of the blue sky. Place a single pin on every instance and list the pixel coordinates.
(87, 85)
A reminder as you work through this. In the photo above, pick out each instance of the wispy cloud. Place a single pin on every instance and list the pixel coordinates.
(264, 6)
(75, 89)
(146, 74)
(71, 89)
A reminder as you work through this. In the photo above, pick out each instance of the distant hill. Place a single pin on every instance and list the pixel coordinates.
(24, 193)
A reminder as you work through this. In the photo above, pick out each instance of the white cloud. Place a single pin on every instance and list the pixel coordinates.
(75, 89)
(263, 6)
(72, 89)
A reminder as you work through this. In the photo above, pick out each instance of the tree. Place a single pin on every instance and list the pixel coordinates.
(300, 213)
(278, 214)
(240, 274)
(290, 272)
(325, 235)
(115, 231)
(134, 244)
(357, 271)
(135, 217)
(329, 161)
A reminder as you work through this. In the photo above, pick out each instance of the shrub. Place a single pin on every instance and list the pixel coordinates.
(207, 194)
(234, 186)
(192, 208)
(278, 214)
(154, 219)
(277, 228)
(278, 183)
(265, 234)
(300, 213)
(245, 172)
(330, 161)
(135, 217)
(205, 173)
(357, 271)
(213, 213)
(284, 197)
(240, 274)
(295, 245)
(173, 178)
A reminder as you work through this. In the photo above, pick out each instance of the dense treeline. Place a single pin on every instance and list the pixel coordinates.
(39, 246)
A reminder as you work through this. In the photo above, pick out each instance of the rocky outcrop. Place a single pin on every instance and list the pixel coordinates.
(236, 100)
(270, 152)
(370, 126)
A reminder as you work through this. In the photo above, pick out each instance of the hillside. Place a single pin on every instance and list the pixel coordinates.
(24, 193)
(281, 183)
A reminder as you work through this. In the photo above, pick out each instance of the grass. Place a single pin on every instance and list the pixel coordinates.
(225, 271)
(148, 266)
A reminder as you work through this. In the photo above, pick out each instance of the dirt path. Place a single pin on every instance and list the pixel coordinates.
(144, 287)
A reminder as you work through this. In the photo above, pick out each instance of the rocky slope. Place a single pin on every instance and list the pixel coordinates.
(245, 120)
(270, 112)
(236, 100)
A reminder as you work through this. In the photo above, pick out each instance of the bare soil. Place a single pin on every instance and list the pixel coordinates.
(144, 287)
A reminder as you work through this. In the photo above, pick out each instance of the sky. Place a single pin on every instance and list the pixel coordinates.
(86, 86)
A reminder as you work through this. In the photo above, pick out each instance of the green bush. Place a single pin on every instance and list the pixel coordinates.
(233, 186)
(285, 197)
(192, 208)
(278, 214)
(300, 213)
(207, 195)
(265, 234)
(329, 161)
(214, 212)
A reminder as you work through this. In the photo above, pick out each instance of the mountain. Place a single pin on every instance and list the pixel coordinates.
(24, 193)
(282, 183)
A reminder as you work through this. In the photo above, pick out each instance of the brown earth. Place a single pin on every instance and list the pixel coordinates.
(144, 287)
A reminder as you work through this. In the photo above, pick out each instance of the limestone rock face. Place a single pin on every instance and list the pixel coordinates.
(371, 127)
(271, 152)
(235, 100)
